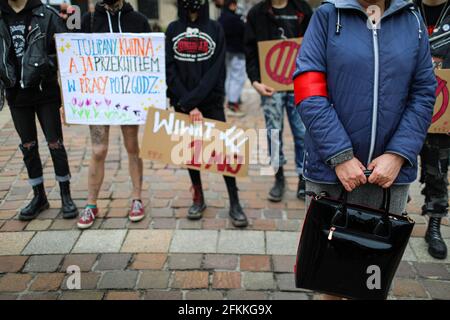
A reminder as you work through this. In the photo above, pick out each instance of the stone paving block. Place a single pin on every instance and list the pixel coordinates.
(189, 261)
(226, 280)
(194, 241)
(47, 263)
(439, 290)
(284, 263)
(118, 280)
(190, 280)
(432, 271)
(204, 295)
(151, 241)
(52, 242)
(239, 295)
(13, 282)
(89, 281)
(149, 261)
(39, 225)
(114, 223)
(40, 296)
(100, 241)
(255, 263)
(220, 262)
(408, 288)
(259, 281)
(163, 295)
(83, 261)
(286, 282)
(122, 295)
(153, 280)
(113, 261)
(13, 226)
(12, 243)
(282, 243)
(405, 270)
(12, 263)
(420, 249)
(47, 282)
(241, 242)
(409, 254)
(81, 295)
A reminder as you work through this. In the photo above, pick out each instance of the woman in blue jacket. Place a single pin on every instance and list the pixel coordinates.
(365, 91)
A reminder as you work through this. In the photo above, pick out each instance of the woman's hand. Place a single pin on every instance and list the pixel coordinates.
(263, 90)
(351, 174)
(385, 169)
(196, 115)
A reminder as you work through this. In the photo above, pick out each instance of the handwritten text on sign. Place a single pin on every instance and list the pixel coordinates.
(211, 146)
(111, 79)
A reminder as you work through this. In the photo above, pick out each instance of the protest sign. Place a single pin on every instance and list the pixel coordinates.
(441, 115)
(111, 79)
(212, 146)
(277, 62)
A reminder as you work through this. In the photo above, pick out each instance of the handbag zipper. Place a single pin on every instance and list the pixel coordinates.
(22, 85)
(330, 235)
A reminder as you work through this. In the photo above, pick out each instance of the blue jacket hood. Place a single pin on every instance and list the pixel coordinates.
(353, 4)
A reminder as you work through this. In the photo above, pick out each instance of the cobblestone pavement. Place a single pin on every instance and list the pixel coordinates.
(166, 256)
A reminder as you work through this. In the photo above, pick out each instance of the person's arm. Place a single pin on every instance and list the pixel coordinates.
(409, 137)
(174, 84)
(251, 51)
(320, 118)
(57, 25)
(209, 80)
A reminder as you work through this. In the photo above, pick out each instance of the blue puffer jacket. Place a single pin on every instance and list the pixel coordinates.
(381, 87)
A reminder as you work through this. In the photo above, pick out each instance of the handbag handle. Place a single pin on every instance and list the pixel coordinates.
(386, 202)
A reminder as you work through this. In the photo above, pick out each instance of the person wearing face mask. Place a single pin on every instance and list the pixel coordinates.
(29, 73)
(365, 89)
(113, 16)
(195, 68)
(234, 27)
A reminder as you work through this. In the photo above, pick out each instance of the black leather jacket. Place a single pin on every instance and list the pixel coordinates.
(39, 64)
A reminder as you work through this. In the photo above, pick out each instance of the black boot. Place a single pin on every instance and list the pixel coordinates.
(196, 210)
(237, 215)
(38, 204)
(68, 209)
(277, 192)
(301, 191)
(436, 245)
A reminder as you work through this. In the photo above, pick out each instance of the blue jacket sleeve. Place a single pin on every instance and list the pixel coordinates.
(409, 137)
(320, 118)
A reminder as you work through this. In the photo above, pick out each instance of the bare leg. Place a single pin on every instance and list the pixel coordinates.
(329, 297)
(135, 164)
(100, 140)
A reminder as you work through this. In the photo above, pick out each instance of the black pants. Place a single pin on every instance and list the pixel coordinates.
(435, 161)
(218, 114)
(24, 119)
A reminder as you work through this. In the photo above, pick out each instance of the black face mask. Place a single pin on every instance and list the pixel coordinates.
(192, 5)
(110, 2)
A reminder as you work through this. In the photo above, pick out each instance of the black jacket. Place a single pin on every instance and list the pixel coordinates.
(195, 62)
(126, 20)
(234, 28)
(262, 25)
(39, 66)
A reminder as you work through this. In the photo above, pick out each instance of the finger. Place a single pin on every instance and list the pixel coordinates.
(371, 166)
(373, 179)
(347, 187)
(387, 185)
(362, 178)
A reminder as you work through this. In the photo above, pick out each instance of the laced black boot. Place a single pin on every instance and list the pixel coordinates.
(196, 210)
(237, 215)
(277, 191)
(68, 209)
(38, 204)
(436, 245)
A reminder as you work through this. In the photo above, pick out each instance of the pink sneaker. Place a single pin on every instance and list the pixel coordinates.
(87, 218)
(137, 212)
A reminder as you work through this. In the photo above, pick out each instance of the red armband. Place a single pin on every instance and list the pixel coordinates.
(310, 84)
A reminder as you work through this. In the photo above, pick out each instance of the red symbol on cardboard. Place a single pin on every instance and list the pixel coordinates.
(441, 89)
(285, 54)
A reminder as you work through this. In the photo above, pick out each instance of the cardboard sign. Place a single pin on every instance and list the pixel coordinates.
(441, 115)
(277, 62)
(111, 79)
(213, 146)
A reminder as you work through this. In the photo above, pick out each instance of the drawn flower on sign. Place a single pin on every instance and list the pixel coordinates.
(108, 101)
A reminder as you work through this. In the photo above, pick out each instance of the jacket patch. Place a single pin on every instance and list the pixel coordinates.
(193, 45)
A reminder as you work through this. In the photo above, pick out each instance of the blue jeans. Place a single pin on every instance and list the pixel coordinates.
(273, 108)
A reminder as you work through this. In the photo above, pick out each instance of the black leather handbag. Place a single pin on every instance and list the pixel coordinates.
(349, 250)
